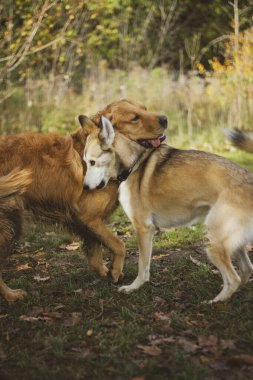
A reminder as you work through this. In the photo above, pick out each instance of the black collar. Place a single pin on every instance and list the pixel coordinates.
(126, 172)
(124, 175)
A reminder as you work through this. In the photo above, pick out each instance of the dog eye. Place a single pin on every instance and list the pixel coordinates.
(92, 162)
(136, 118)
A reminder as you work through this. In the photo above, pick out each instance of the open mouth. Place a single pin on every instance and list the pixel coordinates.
(152, 143)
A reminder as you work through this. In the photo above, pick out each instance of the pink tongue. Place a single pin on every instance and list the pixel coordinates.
(155, 143)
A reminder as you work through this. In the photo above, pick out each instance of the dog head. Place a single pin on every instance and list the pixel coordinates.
(131, 119)
(99, 154)
(134, 121)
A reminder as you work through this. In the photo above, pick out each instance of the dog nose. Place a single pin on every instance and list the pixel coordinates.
(101, 185)
(163, 121)
(86, 187)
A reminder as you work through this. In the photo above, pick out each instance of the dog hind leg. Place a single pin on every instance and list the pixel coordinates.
(245, 265)
(220, 257)
(145, 237)
(9, 232)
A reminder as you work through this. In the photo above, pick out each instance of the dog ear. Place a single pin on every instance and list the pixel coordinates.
(87, 124)
(106, 134)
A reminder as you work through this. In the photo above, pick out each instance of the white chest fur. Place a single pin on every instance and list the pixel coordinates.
(125, 199)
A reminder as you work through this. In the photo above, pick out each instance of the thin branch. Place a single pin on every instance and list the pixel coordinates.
(8, 95)
(35, 50)
(163, 30)
(22, 52)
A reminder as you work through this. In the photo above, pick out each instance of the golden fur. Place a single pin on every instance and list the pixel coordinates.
(12, 186)
(56, 192)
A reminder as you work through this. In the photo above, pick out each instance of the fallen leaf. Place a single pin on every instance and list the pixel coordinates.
(41, 279)
(196, 262)
(74, 319)
(159, 300)
(150, 350)
(52, 315)
(227, 344)
(158, 257)
(187, 345)
(44, 263)
(160, 316)
(83, 352)
(59, 306)
(89, 293)
(35, 311)
(241, 359)
(207, 341)
(86, 293)
(28, 318)
(2, 354)
(89, 332)
(51, 233)
(71, 247)
(23, 267)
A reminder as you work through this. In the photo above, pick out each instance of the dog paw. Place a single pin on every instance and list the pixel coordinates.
(14, 295)
(103, 271)
(116, 276)
(126, 289)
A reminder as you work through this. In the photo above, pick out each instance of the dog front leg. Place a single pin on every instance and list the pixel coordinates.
(113, 243)
(94, 254)
(10, 295)
(145, 237)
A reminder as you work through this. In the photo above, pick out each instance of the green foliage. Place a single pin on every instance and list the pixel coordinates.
(67, 37)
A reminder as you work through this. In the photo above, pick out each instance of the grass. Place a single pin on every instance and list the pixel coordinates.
(74, 325)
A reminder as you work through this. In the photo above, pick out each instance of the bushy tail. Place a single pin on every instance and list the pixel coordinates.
(241, 139)
(16, 182)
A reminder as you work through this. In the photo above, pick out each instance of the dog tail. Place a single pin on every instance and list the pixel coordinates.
(16, 182)
(241, 139)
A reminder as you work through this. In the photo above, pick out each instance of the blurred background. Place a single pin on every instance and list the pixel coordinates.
(189, 59)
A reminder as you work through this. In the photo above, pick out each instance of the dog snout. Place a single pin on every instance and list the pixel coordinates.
(86, 187)
(101, 185)
(163, 121)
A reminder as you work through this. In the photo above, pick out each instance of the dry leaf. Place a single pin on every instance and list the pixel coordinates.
(51, 233)
(74, 319)
(86, 293)
(71, 247)
(227, 344)
(59, 306)
(150, 350)
(41, 279)
(28, 318)
(241, 359)
(89, 332)
(52, 315)
(160, 316)
(23, 267)
(2, 354)
(196, 262)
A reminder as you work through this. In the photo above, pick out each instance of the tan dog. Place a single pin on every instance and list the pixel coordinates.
(56, 193)
(168, 187)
